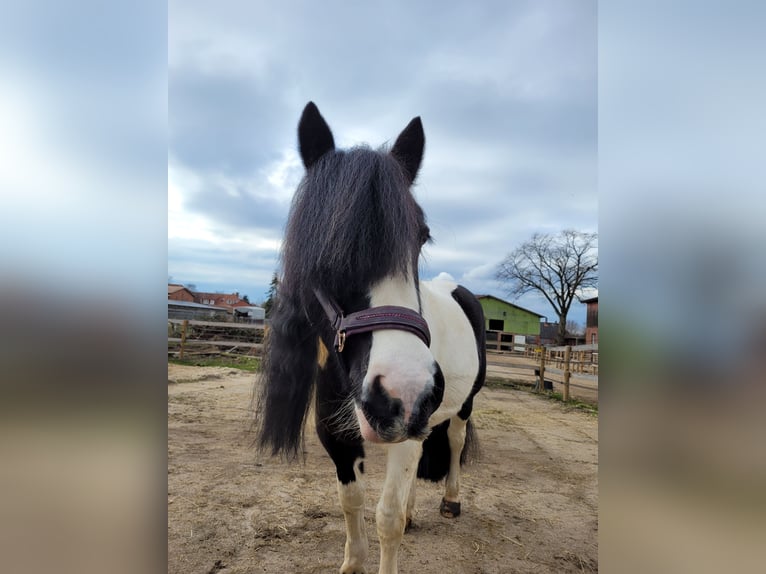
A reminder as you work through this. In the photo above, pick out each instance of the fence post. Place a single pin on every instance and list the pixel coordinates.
(567, 357)
(499, 340)
(541, 384)
(183, 338)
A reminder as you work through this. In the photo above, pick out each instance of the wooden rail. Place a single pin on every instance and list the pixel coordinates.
(183, 333)
(216, 342)
(571, 359)
(563, 362)
(223, 324)
(582, 359)
(509, 342)
(567, 367)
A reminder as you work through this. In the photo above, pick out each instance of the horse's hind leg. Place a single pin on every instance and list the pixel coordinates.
(450, 506)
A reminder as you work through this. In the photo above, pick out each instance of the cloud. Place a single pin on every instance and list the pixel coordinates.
(443, 276)
(506, 92)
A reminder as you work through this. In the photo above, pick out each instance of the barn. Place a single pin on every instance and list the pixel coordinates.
(196, 311)
(500, 315)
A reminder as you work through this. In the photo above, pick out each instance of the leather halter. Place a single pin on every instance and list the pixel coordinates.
(373, 319)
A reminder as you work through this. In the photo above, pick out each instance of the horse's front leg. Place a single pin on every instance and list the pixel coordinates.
(411, 502)
(391, 515)
(347, 453)
(351, 497)
(348, 459)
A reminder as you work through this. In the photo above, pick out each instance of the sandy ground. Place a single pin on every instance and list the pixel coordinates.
(530, 502)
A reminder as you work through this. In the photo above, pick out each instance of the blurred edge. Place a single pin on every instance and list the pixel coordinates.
(682, 294)
(82, 432)
(83, 173)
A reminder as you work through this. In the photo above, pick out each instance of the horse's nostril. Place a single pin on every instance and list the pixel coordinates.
(423, 409)
(378, 406)
(426, 405)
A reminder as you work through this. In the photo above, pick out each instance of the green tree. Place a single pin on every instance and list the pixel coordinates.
(271, 294)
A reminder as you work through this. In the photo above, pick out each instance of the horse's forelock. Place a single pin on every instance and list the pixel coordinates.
(353, 221)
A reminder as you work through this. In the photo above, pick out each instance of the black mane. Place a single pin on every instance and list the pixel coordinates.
(353, 221)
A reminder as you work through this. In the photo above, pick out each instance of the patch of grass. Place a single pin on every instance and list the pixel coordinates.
(243, 362)
(573, 403)
(498, 383)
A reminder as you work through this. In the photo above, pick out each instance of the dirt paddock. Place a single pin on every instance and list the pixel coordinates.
(530, 502)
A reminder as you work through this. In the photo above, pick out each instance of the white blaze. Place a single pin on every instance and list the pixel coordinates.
(401, 359)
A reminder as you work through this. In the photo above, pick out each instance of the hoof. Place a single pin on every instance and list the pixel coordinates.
(408, 525)
(449, 509)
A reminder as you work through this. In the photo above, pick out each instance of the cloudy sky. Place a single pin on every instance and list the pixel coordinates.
(506, 90)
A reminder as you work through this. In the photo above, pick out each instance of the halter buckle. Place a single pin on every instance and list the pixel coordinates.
(340, 341)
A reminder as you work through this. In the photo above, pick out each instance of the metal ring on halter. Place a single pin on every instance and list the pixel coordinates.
(340, 341)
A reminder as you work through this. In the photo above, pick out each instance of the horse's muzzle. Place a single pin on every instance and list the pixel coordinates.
(383, 418)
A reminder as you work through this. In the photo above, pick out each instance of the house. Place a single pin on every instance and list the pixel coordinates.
(179, 293)
(203, 304)
(500, 315)
(225, 300)
(591, 320)
(549, 332)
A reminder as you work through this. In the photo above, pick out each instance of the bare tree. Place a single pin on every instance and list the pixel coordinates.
(574, 328)
(558, 266)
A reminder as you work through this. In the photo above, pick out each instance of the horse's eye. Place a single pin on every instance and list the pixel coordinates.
(425, 235)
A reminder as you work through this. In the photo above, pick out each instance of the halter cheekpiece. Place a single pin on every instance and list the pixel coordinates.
(373, 319)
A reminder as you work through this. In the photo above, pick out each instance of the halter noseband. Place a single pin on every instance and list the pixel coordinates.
(373, 319)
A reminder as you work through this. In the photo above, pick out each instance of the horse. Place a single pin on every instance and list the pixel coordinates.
(388, 359)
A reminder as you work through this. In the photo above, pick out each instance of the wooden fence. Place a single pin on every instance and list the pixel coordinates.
(508, 342)
(550, 365)
(212, 337)
(189, 337)
(579, 359)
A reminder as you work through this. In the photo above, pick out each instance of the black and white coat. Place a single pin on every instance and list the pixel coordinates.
(355, 231)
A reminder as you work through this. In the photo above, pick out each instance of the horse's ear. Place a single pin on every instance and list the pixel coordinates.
(408, 148)
(314, 135)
